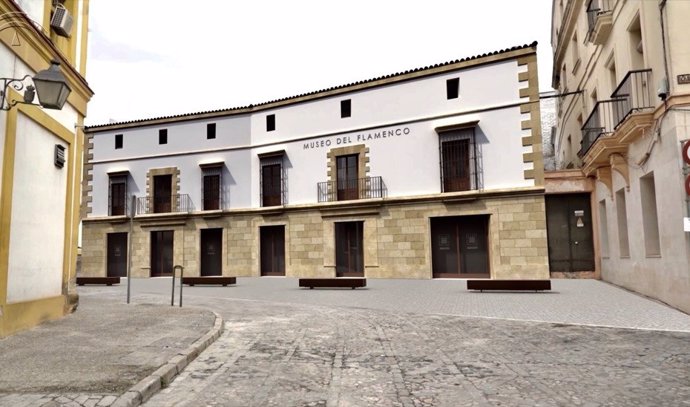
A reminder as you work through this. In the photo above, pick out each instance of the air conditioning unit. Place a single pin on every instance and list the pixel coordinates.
(61, 22)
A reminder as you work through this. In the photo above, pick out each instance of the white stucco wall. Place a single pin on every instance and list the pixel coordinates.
(38, 215)
(640, 271)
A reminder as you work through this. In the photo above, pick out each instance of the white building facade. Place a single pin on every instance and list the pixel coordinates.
(625, 67)
(436, 172)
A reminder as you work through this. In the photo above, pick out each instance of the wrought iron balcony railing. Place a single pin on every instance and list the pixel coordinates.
(362, 188)
(119, 206)
(601, 121)
(164, 204)
(595, 10)
(632, 95)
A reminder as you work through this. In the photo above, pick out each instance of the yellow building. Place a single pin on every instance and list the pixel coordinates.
(623, 68)
(41, 147)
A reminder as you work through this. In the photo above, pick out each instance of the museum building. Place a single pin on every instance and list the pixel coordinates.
(433, 172)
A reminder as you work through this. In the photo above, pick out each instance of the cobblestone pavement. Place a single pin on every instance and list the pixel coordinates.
(278, 354)
(585, 302)
(94, 355)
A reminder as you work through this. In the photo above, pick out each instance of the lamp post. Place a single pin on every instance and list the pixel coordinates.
(50, 84)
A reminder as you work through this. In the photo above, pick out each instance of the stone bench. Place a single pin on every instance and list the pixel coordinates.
(342, 282)
(98, 280)
(209, 280)
(509, 285)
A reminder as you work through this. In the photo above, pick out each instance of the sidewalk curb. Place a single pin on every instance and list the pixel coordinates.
(162, 377)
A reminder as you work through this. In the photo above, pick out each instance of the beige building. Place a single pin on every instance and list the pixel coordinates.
(623, 68)
(41, 152)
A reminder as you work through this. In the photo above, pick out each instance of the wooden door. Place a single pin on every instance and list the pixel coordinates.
(211, 252)
(456, 165)
(117, 198)
(162, 193)
(460, 247)
(272, 250)
(347, 177)
(211, 192)
(569, 228)
(271, 184)
(349, 249)
(161, 253)
(117, 255)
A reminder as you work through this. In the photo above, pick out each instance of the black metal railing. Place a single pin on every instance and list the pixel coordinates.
(634, 93)
(596, 9)
(164, 204)
(119, 206)
(343, 190)
(601, 121)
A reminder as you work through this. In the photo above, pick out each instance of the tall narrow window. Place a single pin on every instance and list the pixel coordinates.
(272, 179)
(650, 219)
(603, 229)
(210, 131)
(162, 193)
(163, 136)
(453, 88)
(458, 160)
(347, 177)
(636, 45)
(118, 141)
(118, 194)
(345, 108)
(622, 216)
(270, 122)
(211, 192)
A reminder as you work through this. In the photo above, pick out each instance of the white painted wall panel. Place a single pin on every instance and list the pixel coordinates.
(408, 162)
(38, 215)
(393, 103)
(182, 137)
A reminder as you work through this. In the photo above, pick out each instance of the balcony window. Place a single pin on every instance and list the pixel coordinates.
(347, 176)
(272, 178)
(162, 193)
(211, 187)
(117, 200)
(599, 20)
(458, 160)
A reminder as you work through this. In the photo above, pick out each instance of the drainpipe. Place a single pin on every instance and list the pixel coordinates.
(662, 6)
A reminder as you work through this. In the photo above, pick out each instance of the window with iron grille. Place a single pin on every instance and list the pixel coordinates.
(459, 161)
(272, 181)
(211, 188)
(117, 195)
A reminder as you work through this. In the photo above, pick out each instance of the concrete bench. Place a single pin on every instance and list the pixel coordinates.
(343, 282)
(98, 280)
(209, 280)
(509, 285)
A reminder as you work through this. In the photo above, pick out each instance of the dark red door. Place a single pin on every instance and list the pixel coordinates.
(270, 184)
(460, 247)
(117, 255)
(347, 177)
(211, 252)
(162, 193)
(456, 165)
(161, 253)
(272, 250)
(211, 192)
(349, 249)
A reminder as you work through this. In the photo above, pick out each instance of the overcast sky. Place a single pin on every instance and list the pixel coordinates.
(150, 58)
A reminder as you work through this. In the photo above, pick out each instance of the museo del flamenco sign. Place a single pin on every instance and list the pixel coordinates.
(390, 133)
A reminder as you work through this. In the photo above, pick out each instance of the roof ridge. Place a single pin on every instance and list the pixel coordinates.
(332, 88)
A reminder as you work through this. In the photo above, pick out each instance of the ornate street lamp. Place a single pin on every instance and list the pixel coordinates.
(50, 84)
